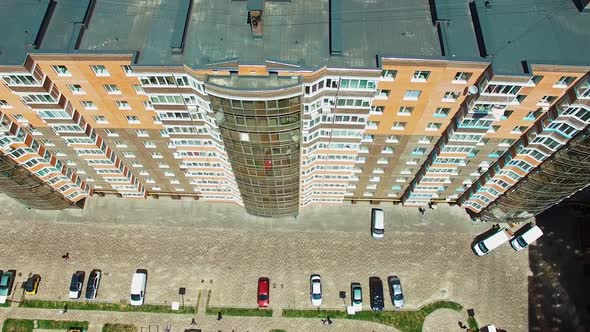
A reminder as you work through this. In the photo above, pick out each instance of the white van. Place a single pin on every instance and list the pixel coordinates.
(377, 223)
(483, 247)
(138, 284)
(527, 235)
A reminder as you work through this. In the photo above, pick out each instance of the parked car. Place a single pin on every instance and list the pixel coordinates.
(377, 223)
(526, 235)
(315, 290)
(356, 296)
(76, 284)
(376, 293)
(490, 242)
(92, 286)
(138, 284)
(6, 282)
(32, 284)
(263, 292)
(396, 292)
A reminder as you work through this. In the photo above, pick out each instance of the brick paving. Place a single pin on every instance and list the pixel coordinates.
(433, 261)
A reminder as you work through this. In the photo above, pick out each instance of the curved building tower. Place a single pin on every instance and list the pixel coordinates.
(259, 119)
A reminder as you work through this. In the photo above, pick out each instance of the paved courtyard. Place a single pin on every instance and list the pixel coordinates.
(217, 247)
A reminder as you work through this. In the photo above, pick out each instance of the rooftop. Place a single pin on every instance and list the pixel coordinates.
(308, 33)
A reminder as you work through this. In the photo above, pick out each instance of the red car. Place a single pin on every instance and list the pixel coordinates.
(263, 289)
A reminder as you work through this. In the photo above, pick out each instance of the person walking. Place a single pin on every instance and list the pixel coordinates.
(193, 322)
(66, 257)
(219, 316)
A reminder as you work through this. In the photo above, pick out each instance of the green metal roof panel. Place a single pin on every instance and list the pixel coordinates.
(335, 27)
(19, 23)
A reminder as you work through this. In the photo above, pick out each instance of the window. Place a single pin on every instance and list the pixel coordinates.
(112, 89)
(412, 162)
(89, 105)
(157, 155)
(450, 96)
(506, 115)
(546, 100)
(128, 154)
(100, 70)
(132, 119)
(564, 82)
(583, 90)
(425, 140)
(120, 144)
(39, 99)
(536, 79)
(148, 105)
(461, 77)
(142, 133)
(388, 150)
(372, 125)
(441, 112)
(100, 119)
(169, 173)
(405, 111)
(382, 94)
(111, 133)
(418, 151)
(162, 165)
(377, 110)
(388, 74)
(138, 89)
(122, 105)
(149, 144)
(76, 89)
(433, 126)
(420, 76)
(518, 129)
(392, 139)
(4, 104)
(399, 125)
(136, 164)
(61, 70)
(412, 94)
(20, 80)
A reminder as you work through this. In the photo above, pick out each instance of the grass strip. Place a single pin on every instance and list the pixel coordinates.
(109, 327)
(406, 321)
(27, 325)
(251, 312)
(472, 323)
(71, 305)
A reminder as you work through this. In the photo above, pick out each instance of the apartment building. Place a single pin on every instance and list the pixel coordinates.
(276, 105)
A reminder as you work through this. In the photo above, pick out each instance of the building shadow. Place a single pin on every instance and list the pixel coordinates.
(559, 296)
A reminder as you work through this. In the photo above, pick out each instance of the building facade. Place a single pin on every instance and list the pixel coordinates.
(332, 120)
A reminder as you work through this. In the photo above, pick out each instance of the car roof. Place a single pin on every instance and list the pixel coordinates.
(532, 234)
(316, 287)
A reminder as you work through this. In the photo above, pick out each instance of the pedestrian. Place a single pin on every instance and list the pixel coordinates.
(461, 325)
(329, 320)
(219, 317)
(193, 322)
(66, 257)
(324, 321)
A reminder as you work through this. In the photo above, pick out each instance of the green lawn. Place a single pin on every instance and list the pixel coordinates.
(119, 328)
(275, 330)
(472, 323)
(73, 305)
(240, 312)
(407, 321)
(26, 325)
(5, 305)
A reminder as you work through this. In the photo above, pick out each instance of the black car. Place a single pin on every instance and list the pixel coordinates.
(376, 293)
(76, 284)
(93, 282)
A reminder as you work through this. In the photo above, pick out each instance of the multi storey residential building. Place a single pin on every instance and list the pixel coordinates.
(276, 105)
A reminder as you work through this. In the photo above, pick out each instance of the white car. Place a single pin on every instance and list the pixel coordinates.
(315, 290)
(525, 236)
(138, 284)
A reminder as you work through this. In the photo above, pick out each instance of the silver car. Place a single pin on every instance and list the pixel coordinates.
(395, 289)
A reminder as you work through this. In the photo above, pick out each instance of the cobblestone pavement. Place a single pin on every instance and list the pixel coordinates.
(434, 262)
